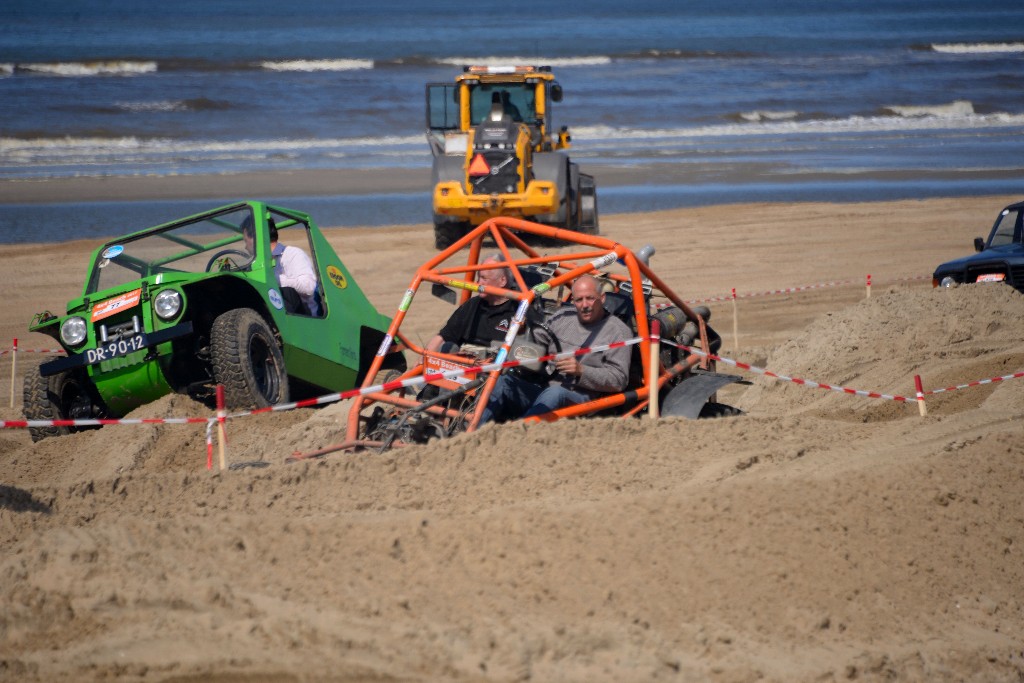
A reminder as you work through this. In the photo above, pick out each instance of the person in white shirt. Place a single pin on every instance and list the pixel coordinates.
(294, 271)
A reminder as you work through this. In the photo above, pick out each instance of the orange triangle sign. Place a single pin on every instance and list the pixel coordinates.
(479, 166)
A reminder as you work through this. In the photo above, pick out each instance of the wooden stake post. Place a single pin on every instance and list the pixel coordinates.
(222, 436)
(14, 365)
(735, 324)
(655, 372)
(920, 396)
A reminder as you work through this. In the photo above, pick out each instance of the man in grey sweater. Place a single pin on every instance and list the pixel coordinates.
(577, 378)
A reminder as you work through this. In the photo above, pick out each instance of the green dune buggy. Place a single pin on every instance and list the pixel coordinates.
(187, 305)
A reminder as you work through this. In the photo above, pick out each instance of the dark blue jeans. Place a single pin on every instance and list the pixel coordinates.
(515, 397)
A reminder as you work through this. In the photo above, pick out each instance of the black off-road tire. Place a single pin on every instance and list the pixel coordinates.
(49, 398)
(247, 360)
(589, 222)
(447, 233)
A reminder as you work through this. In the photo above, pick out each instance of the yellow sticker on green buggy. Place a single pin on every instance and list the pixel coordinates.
(337, 277)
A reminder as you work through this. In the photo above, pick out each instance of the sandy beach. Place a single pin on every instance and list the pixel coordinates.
(821, 536)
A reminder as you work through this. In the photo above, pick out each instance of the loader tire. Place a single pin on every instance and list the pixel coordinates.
(247, 360)
(588, 206)
(448, 233)
(555, 167)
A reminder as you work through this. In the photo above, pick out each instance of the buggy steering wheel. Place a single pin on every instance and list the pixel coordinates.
(229, 264)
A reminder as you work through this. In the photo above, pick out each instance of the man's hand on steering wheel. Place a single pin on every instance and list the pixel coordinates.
(570, 366)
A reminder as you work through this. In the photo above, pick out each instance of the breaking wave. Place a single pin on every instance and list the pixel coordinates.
(192, 104)
(959, 108)
(76, 150)
(98, 68)
(767, 115)
(60, 155)
(977, 48)
(129, 67)
(318, 65)
(854, 124)
(32, 149)
(593, 60)
(86, 68)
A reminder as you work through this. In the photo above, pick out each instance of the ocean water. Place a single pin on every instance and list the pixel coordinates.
(785, 100)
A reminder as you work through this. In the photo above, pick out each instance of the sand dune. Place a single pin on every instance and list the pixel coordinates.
(819, 537)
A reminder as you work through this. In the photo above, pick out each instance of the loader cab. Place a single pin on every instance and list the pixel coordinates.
(526, 93)
(444, 110)
(516, 100)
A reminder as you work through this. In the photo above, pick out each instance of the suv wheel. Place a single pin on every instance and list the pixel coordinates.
(58, 397)
(247, 360)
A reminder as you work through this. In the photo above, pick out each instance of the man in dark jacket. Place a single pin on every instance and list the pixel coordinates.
(482, 319)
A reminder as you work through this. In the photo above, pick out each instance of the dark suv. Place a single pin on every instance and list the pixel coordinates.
(999, 259)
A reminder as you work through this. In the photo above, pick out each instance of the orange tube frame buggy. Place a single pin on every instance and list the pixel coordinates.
(578, 254)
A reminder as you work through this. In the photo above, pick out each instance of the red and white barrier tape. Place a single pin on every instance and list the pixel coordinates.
(830, 387)
(788, 290)
(479, 369)
(106, 421)
(977, 383)
(803, 288)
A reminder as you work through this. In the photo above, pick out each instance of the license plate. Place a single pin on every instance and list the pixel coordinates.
(115, 349)
(991, 277)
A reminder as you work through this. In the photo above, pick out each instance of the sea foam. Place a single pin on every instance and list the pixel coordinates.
(107, 68)
(957, 108)
(318, 65)
(977, 48)
(592, 60)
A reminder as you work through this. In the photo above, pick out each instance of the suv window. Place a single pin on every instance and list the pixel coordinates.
(1008, 229)
(185, 248)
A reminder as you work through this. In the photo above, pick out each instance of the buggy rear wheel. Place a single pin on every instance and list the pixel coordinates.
(247, 360)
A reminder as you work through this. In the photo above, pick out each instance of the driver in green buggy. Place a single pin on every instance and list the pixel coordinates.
(294, 271)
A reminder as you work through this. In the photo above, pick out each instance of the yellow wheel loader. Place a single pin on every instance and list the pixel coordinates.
(496, 153)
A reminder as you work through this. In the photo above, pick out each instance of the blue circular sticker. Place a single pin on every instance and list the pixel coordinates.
(275, 299)
(113, 252)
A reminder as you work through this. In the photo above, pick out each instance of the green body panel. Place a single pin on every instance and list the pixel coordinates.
(135, 383)
(314, 369)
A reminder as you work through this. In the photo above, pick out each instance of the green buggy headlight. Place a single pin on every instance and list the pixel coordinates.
(167, 304)
(72, 331)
